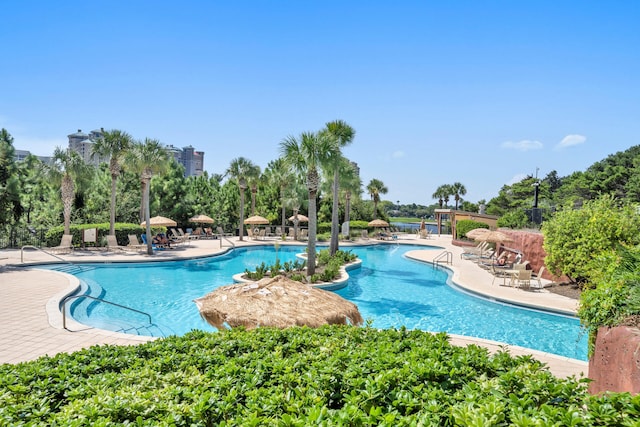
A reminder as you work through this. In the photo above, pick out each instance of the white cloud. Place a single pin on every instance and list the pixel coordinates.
(571, 140)
(524, 145)
(398, 154)
(517, 178)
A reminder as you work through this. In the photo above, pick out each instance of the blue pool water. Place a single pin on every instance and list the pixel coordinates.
(389, 289)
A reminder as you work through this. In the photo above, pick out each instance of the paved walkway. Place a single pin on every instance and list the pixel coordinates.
(31, 321)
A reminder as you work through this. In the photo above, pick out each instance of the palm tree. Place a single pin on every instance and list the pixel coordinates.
(458, 190)
(147, 158)
(307, 154)
(253, 179)
(441, 193)
(113, 144)
(351, 183)
(343, 135)
(240, 169)
(375, 188)
(279, 175)
(68, 170)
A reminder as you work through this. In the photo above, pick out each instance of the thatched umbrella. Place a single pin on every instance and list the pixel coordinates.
(378, 223)
(494, 236)
(158, 221)
(277, 302)
(477, 233)
(301, 218)
(256, 219)
(202, 219)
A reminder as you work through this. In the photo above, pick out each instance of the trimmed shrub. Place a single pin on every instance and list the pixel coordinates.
(465, 225)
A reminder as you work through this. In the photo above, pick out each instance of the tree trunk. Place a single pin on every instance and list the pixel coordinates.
(335, 243)
(66, 192)
(284, 210)
(112, 216)
(241, 222)
(311, 244)
(147, 216)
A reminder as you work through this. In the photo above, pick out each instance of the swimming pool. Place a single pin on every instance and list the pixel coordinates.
(389, 289)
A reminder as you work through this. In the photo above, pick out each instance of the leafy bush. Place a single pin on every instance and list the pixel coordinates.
(616, 297)
(465, 225)
(334, 375)
(323, 237)
(574, 239)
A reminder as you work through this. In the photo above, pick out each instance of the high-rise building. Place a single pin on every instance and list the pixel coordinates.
(192, 160)
(82, 144)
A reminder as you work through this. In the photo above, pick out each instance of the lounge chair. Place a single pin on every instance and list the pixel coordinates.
(222, 233)
(135, 244)
(365, 234)
(304, 234)
(112, 244)
(153, 245)
(197, 233)
(65, 245)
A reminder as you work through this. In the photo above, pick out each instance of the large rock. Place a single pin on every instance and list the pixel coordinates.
(615, 364)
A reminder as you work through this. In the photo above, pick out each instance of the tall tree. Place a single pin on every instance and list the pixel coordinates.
(113, 144)
(351, 184)
(253, 179)
(279, 175)
(10, 205)
(240, 170)
(439, 195)
(343, 135)
(375, 188)
(68, 170)
(147, 158)
(307, 154)
(458, 190)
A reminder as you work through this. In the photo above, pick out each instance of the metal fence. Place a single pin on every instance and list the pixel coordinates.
(19, 237)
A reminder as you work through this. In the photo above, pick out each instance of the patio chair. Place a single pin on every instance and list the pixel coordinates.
(65, 245)
(222, 233)
(112, 244)
(522, 279)
(538, 278)
(499, 272)
(365, 234)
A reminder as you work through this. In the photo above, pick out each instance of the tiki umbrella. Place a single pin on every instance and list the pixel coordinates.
(378, 223)
(477, 233)
(158, 221)
(202, 219)
(495, 237)
(275, 302)
(256, 219)
(301, 218)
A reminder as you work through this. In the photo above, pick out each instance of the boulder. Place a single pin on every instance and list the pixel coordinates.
(615, 364)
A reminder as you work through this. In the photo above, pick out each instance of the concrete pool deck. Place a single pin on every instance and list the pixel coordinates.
(31, 321)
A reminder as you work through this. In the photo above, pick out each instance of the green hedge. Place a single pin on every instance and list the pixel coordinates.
(122, 230)
(330, 376)
(465, 225)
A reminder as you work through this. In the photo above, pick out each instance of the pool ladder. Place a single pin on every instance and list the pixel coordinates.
(445, 257)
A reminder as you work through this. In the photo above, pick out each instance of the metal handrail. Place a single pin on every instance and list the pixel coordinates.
(222, 236)
(69, 297)
(41, 250)
(447, 254)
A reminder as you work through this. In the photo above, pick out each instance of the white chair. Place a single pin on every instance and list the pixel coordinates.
(522, 279)
(538, 278)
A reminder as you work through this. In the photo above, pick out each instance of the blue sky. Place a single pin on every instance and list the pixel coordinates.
(477, 92)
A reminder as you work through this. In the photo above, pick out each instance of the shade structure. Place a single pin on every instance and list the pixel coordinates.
(202, 219)
(159, 221)
(378, 223)
(301, 218)
(256, 219)
(495, 237)
(275, 302)
(477, 233)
